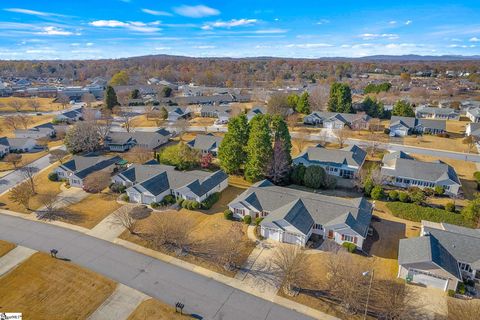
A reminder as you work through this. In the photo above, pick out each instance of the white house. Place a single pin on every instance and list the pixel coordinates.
(8, 145)
(335, 120)
(441, 257)
(256, 111)
(46, 130)
(473, 114)
(293, 216)
(80, 167)
(401, 170)
(164, 180)
(403, 126)
(206, 143)
(343, 163)
(175, 113)
(436, 113)
(124, 141)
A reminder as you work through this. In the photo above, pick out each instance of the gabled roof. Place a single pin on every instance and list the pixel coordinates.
(15, 143)
(205, 142)
(82, 166)
(324, 210)
(436, 110)
(412, 122)
(474, 128)
(346, 118)
(141, 172)
(426, 250)
(202, 186)
(350, 155)
(140, 137)
(295, 213)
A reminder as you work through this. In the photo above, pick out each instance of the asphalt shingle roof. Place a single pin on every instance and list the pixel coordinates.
(350, 155)
(82, 166)
(205, 142)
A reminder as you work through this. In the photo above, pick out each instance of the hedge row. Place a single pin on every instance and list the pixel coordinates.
(414, 212)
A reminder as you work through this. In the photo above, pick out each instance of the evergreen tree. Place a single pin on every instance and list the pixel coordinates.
(259, 149)
(135, 94)
(403, 108)
(373, 108)
(110, 98)
(231, 153)
(292, 100)
(281, 132)
(315, 177)
(303, 106)
(298, 174)
(340, 99)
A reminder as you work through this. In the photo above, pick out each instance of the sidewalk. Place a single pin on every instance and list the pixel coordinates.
(13, 258)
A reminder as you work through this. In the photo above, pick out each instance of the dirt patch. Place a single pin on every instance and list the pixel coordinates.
(5, 247)
(46, 288)
(152, 309)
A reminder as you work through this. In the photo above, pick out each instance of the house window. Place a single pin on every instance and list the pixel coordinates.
(348, 238)
(465, 267)
(240, 212)
(317, 226)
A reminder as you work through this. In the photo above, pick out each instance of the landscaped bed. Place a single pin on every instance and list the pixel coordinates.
(414, 212)
(46, 288)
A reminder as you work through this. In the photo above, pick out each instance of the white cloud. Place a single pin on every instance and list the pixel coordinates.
(270, 31)
(162, 48)
(229, 24)
(204, 47)
(199, 11)
(131, 25)
(370, 36)
(54, 31)
(323, 21)
(156, 13)
(392, 22)
(408, 22)
(464, 46)
(89, 44)
(474, 39)
(309, 45)
(31, 12)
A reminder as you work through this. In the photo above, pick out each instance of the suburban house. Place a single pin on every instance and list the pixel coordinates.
(441, 257)
(473, 114)
(436, 113)
(473, 129)
(254, 111)
(343, 163)
(70, 116)
(151, 183)
(403, 126)
(8, 145)
(206, 143)
(401, 170)
(176, 112)
(221, 112)
(46, 130)
(335, 120)
(124, 141)
(293, 216)
(77, 169)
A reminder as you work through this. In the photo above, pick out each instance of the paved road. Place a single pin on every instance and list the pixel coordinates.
(201, 295)
(15, 177)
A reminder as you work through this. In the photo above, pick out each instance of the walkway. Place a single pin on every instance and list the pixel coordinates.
(108, 229)
(201, 295)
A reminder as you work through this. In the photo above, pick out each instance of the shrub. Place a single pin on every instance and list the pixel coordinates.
(210, 201)
(476, 175)
(418, 196)
(297, 175)
(154, 205)
(314, 177)
(117, 187)
(368, 186)
(429, 192)
(258, 220)
(393, 195)
(439, 190)
(126, 198)
(461, 288)
(377, 193)
(386, 131)
(228, 214)
(168, 199)
(180, 201)
(414, 212)
(351, 247)
(451, 293)
(53, 176)
(247, 219)
(403, 197)
(450, 207)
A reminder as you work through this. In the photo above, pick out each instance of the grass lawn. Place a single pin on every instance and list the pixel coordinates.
(46, 288)
(94, 209)
(456, 127)
(46, 104)
(5, 247)
(27, 158)
(434, 142)
(201, 121)
(43, 186)
(152, 309)
(142, 121)
(208, 224)
(464, 169)
(35, 121)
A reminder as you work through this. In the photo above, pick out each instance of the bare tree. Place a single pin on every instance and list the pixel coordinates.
(391, 300)
(14, 159)
(11, 122)
(181, 126)
(57, 155)
(28, 173)
(88, 98)
(292, 121)
(127, 121)
(342, 135)
(139, 154)
(83, 137)
(34, 104)
(174, 234)
(470, 141)
(290, 261)
(21, 194)
(63, 99)
(104, 125)
(16, 104)
(229, 247)
(319, 96)
(97, 181)
(463, 310)
(124, 218)
(43, 142)
(24, 120)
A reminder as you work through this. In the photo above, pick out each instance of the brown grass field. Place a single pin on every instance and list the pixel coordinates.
(46, 104)
(27, 158)
(35, 121)
(5, 247)
(152, 309)
(94, 209)
(46, 288)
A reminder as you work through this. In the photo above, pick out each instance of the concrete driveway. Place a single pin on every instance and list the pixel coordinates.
(201, 295)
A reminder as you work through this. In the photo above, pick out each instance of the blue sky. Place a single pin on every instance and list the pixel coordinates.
(66, 29)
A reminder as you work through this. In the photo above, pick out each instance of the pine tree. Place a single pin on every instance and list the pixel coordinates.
(303, 106)
(231, 153)
(281, 132)
(403, 108)
(340, 98)
(259, 149)
(110, 98)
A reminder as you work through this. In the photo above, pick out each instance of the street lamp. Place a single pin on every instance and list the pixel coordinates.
(366, 273)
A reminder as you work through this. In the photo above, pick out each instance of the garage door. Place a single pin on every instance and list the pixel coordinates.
(428, 279)
(271, 234)
(292, 238)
